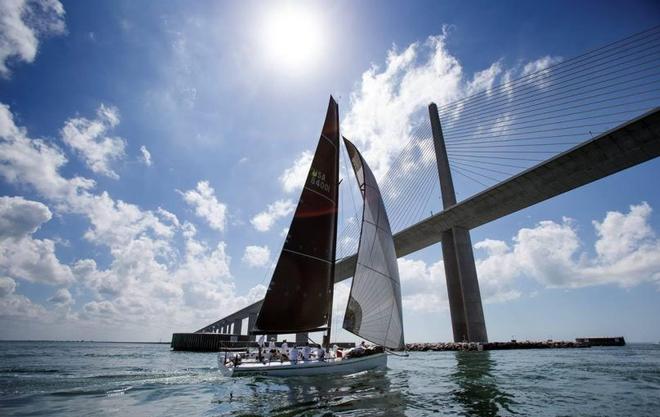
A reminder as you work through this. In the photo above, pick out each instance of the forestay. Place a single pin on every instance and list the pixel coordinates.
(374, 304)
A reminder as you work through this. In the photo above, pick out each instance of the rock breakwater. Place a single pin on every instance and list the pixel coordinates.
(526, 344)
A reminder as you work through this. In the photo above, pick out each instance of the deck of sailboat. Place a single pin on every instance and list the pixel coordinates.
(310, 367)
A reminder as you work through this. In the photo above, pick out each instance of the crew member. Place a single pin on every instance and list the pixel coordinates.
(293, 355)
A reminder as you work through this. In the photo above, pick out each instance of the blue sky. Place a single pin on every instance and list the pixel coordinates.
(152, 151)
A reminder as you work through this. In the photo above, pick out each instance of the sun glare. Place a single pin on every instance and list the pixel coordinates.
(292, 38)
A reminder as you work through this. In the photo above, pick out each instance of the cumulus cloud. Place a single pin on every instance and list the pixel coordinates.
(170, 217)
(256, 256)
(62, 297)
(22, 24)
(146, 156)
(423, 286)
(33, 260)
(7, 286)
(390, 102)
(20, 217)
(17, 306)
(386, 106)
(551, 254)
(293, 178)
(266, 219)
(148, 278)
(35, 162)
(89, 139)
(206, 205)
(628, 253)
(22, 256)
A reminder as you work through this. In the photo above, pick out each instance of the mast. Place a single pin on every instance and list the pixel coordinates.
(334, 255)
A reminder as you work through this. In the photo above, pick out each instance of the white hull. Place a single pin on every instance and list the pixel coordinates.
(343, 366)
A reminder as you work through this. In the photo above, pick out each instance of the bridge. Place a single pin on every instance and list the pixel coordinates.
(543, 106)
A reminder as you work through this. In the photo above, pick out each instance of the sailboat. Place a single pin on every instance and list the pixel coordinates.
(299, 297)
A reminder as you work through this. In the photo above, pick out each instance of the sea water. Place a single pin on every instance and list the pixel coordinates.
(123, 379)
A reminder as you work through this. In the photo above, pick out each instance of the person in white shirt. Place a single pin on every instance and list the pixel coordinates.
(306, 351)
(284, 350)
(272, 349)
(293, 355)
(320, 354)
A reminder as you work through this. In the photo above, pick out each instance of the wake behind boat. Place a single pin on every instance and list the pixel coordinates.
(299, 297)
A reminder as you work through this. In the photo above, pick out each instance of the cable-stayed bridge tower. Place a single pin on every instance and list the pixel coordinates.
(467, 314)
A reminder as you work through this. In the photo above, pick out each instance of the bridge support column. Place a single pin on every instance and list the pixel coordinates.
(301, 338)
(252, 319)
(238, 326)
(467, 316)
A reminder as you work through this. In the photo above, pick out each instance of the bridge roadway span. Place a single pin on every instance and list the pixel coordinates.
(628, 144)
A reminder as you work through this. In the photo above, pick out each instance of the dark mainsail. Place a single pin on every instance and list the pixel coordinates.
(299, 296)
(374, 304)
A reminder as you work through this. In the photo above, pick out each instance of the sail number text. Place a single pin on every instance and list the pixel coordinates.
(317, 178)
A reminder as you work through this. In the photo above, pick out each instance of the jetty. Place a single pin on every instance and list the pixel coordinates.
(580, 342)
(513, 344)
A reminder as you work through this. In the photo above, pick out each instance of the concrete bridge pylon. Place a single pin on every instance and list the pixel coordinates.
(467, 315)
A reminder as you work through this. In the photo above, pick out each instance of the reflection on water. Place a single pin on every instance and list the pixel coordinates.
(477, 388)
(370, 392)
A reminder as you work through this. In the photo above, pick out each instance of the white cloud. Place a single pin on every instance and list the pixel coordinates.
(116, 223)
(206, 205)
(146, 156)
(22, 256)
(540, 64)
(628, 253)
(423, 286)
(33, 260)
(256, 256)
(62, 297)
(390, 103)
(484, 80)
(20, 217)
(620, 234)
(100, 309)
(293, 178)
(170, 217)
(256, 293)
(22, 24)
(7, 286)
(551, 254)
(89, 139)
(35, 162)
(148, 279)
(266, 219)
(16, 306)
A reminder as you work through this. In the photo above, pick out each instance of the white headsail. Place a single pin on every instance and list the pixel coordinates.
(374, 304)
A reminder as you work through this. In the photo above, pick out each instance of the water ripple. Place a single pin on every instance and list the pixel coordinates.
(63, 379)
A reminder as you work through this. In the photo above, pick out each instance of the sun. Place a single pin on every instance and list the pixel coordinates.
(292, 38)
